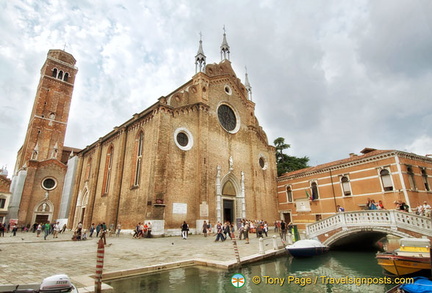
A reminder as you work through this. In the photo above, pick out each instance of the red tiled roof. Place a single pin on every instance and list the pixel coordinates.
(367, 152)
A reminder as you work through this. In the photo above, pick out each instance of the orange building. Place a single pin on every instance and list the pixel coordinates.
(311, 194)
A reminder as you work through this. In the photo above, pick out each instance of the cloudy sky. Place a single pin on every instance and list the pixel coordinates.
(331, 77)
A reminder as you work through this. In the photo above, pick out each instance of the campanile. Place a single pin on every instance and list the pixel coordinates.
(41, 162)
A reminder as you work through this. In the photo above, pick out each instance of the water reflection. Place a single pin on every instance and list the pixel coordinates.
(284, 274)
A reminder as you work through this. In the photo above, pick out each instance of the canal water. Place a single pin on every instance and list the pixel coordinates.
(337, 271)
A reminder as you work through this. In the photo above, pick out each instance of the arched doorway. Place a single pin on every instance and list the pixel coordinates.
(228, 202)
(81, 207)
(43, 212)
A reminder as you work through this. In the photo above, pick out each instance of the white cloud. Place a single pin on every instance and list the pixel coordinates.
(330, 77)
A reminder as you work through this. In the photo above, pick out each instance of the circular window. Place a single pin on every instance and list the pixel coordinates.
(49, 184)
(227, 118)
(228, 90)
(262, 162)
(183, 139)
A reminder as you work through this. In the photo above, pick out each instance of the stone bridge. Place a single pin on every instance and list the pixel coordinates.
(355, 227)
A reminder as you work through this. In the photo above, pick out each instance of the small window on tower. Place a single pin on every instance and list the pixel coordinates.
(54, 73)
(66, 76)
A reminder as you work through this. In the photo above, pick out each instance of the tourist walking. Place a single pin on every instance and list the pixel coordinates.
(38, 230)
(283, 230)
(2, 228)
(103, 231)
(184, 230)
(46, 229)
(149, 229)
(118, 229)
(227, 230)
(219, 232)
(246, 232)
(241, 230)
(98, 229)
(14, 229)
(204, 228)
(56, 229)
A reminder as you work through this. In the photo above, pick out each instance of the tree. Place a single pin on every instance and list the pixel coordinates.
(287, 163)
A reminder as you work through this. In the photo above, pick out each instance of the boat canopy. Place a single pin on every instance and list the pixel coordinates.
(414, 242)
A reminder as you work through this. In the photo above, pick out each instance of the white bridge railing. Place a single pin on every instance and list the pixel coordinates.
(391, 219)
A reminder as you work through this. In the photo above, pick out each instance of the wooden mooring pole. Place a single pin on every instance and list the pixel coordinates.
(99, 266)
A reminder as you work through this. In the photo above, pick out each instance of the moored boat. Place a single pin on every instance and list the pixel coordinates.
(411, 257)
(307, 248)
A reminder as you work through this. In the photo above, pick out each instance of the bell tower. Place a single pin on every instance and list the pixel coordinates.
(48, 121)
(41, 165)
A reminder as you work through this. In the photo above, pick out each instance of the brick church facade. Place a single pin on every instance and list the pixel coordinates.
(196, 154)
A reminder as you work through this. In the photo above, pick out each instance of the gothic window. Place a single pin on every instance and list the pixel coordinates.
(108, 169)
(138, 157)
(386, 180)
(314, 189)
(289, 193)
(425, 179)
(60, 75)
(346, 188)
(54, 73)
(411, 178)
(2, 203)
(66, 76)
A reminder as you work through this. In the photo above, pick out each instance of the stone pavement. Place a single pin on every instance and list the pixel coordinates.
(27, 259)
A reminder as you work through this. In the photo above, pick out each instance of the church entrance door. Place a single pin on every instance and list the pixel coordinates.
(40, 219)
(228, 210)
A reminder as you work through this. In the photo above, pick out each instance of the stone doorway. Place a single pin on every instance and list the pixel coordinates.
(228, 210)
(40, 219)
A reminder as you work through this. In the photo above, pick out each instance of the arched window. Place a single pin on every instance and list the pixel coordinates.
(108, 170)
(289, 193)
(66, 76)
(411, 178)
(425, 179)
(314, 188)
(346, 188)
(54, 73)
(138, 157)
(60, 75)
(2, 202)
(386, 180)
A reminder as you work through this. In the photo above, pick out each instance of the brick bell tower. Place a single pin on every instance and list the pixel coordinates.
(41, 162)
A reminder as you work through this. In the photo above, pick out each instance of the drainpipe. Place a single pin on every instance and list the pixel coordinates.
(334, 195)
(407, 201)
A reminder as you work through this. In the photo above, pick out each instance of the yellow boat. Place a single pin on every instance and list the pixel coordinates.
(412, 256)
